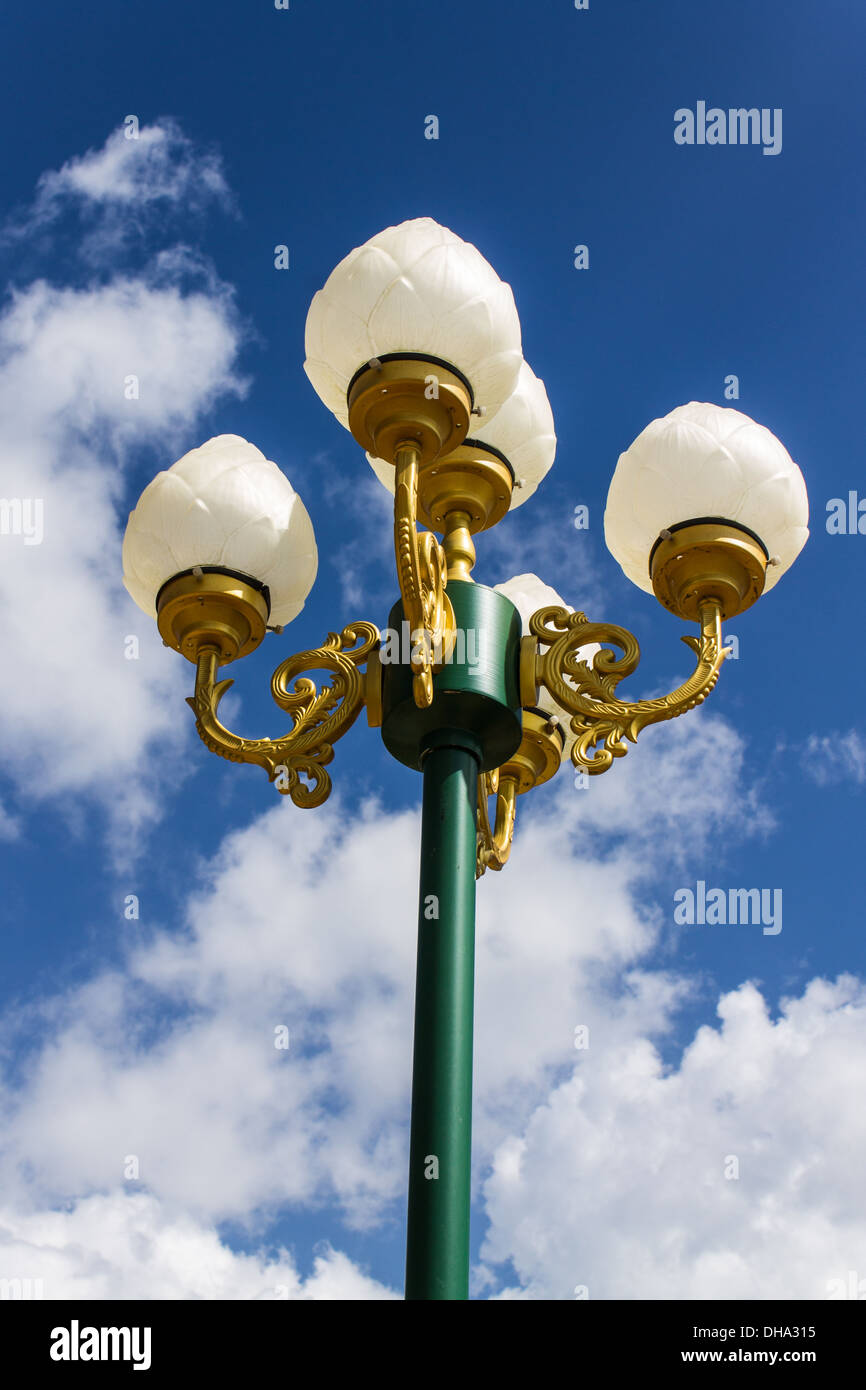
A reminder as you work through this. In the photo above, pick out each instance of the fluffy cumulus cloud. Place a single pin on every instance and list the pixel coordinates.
(598, 1167)
(223, 1120)
(733, 1175)
(89, 374)
(127, 1247)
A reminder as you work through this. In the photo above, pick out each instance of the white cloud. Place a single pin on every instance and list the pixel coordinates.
(689, 772)
(307, 920)
(89, 375)
(119, 1246)
(618, 1182)
(140, 174)
(835, 757)
(601, 1167)
(222, 1121)
(66, 354)
(158, 162)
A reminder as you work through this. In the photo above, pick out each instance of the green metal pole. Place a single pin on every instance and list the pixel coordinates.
(473, 723)
(437, 1254)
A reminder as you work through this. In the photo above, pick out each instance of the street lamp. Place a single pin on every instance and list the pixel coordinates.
(414, 344)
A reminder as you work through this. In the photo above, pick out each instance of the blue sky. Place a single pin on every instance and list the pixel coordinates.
(306, 128)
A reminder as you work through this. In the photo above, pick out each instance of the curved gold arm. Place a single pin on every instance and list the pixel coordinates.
(421, 572)
(589, 693)
(319, 717)
(534, 761)
(494, 845)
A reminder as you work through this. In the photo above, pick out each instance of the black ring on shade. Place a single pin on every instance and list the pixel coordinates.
(708, 521)
(412, 357)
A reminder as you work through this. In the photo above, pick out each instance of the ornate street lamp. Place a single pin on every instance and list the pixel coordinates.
(414, 344)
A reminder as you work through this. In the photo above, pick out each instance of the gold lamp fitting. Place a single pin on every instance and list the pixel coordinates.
(473, 479)
(406, 399)
(540, 753)
(211, 607)
(709, 559)
(401, 398)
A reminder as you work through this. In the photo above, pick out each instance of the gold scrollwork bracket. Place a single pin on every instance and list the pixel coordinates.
(421, 571)
(319, 716)
(602, 723)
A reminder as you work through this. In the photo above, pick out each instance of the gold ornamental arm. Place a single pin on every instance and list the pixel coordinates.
(600, 721)
(319, 716)
(494, 842)
(537, 759)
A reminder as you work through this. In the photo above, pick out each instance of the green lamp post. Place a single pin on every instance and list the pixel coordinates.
(472, 726)
(414, 344)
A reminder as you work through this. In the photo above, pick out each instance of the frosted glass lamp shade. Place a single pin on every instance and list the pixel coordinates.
(528, 593)
(705, 461)
(420, 290)
(222, 504)
(522, 432)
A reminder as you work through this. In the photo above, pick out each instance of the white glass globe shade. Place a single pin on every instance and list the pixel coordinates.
(528, 593)
(222, 504)
(522, 431)
(414, 288)
(699, 461)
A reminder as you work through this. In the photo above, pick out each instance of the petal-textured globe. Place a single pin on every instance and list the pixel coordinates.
(704, 460)
(522, 431)
(414, 288)
(528, 593)
(222, 504)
